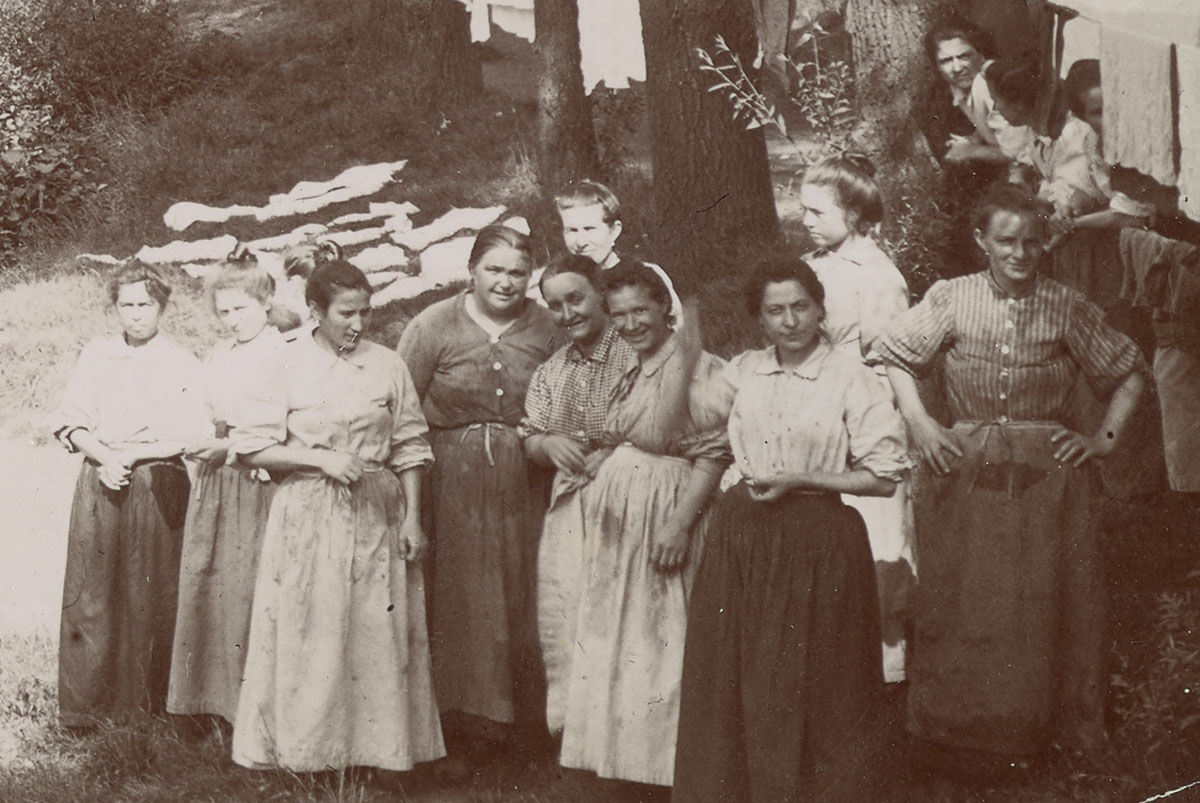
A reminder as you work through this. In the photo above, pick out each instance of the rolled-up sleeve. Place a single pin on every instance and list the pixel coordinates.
(409, 449)
(264, 412)
(914, 338)
(1105, 355)
(878, 441)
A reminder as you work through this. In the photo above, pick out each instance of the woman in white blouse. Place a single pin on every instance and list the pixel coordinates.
(781, 677)
(133, 405)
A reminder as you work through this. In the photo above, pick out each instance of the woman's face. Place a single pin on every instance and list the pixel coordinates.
(827, 223)
(342, 323)
(789, 317)
(138, 312)
(958, 62)
(1014, 243)
(240, 313)
(501, 277)
(639, 319)
(576, 306)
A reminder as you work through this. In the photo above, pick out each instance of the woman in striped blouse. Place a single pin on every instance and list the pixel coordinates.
(1008, 644)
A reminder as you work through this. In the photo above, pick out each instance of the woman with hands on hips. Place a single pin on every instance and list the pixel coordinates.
(338, 672)
(132, 407)
(1010, 616)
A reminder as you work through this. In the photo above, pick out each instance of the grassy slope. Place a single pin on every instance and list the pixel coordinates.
(303, 103)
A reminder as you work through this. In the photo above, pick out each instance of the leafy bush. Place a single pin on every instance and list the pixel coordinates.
(42, 171)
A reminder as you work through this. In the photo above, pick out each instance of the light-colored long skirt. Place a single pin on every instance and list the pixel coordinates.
(560, 571)
(222, 537)
(338, 672)
(622, 703)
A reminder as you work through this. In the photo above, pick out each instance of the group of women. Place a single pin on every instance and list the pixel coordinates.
(699, 572)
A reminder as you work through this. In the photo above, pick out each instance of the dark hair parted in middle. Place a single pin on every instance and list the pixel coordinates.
(953, 26)
(330, 278)
(1005, 197)
(498, 235)
(571, 263)
(635, 274)
(851, 177)
(781, 267)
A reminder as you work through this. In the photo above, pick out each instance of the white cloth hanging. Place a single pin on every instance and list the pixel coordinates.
(610, 43)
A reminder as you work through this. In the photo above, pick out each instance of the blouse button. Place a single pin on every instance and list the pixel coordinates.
(1003, 419)
(1009, 325)
(1003, 396)
(494, 340)
(581, 434)
(497, 366)
(499, 391)
(1005, 349)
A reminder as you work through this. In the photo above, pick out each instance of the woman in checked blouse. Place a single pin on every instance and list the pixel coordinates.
(1008, 652)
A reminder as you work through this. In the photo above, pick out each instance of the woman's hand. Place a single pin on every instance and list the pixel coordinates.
(210, 450)
(412, 540)
(1076, 448)
(670, 547)
(593, 461)
(566, 454)
(959, 149)
(114, 475)
(769, 488)
(935, 444)
(341, 467)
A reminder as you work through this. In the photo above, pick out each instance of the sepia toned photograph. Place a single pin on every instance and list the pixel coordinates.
(600, 401)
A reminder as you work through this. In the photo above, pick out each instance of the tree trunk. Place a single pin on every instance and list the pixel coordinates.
(566, 138)
(447, 67)
(712, 184)
(892, 77)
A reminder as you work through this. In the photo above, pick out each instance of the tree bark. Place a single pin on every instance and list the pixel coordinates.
(447, 67)
(566, 139)
(712, 184)
(892, 77)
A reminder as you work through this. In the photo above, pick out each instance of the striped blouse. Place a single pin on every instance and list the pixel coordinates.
(1010, 359)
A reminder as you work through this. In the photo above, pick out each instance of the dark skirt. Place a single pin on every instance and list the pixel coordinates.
(486, 509)
(782, 686)
(119, 594)
(1008, 650)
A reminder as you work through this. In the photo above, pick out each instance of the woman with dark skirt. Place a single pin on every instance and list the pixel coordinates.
(782, 680)
(471, 357)
(133, 405)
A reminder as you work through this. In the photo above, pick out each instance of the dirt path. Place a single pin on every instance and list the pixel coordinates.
(36, 484)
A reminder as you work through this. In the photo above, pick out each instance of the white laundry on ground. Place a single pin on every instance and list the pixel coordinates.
(381, 257)
(449, 224)
(446, 263)
(404, 287)
(357, 236)
(393, 210)
(295, 237)
(181, 251)
(519, 224)
(305, 198)
(380, 278)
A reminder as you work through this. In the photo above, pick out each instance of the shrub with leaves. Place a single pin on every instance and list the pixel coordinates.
(822, 90)
(42, 171)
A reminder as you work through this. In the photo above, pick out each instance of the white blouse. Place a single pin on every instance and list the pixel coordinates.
(126, 394)
(829, 414)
